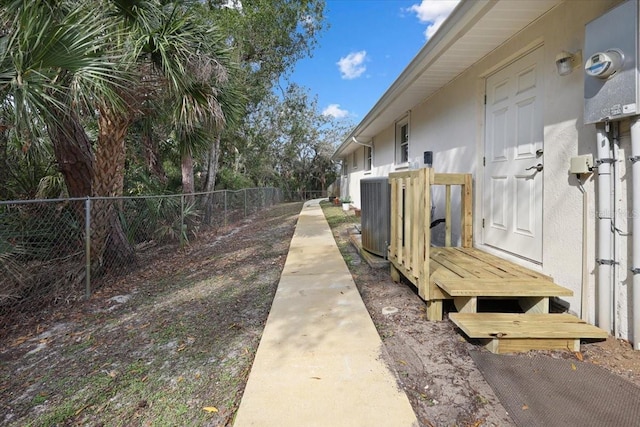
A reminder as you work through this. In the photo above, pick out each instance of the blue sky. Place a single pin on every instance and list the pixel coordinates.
(368, 44)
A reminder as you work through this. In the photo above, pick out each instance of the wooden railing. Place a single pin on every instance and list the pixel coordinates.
(411, 223)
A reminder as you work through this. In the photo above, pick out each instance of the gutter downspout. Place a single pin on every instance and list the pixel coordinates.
(366, 144)
(605, 236)
(635, 213)
(615, 249)
(584, 306)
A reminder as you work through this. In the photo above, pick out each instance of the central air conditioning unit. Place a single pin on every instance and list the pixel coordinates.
(375, 194)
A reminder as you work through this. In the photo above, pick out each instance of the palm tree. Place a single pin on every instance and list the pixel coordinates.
(181, 61)
(61, 64)
(50, 64)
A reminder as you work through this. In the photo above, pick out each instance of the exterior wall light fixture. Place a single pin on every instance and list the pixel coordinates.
(567, 61)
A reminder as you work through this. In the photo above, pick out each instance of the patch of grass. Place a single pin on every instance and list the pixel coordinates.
(62, 413)
(481, 400)
(339, 220)
(80, 346)
(336, 216)
(39, 399)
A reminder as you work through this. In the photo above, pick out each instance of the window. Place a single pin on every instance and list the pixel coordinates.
(355, 159)
(368, 158)
(345, 167)
(402, 141)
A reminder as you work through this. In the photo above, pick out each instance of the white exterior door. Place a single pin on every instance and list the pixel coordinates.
(513, 172)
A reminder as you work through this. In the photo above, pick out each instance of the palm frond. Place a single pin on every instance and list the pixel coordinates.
(193, 141)
(49, 62)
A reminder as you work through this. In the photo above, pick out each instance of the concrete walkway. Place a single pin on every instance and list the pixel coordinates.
(319, 362)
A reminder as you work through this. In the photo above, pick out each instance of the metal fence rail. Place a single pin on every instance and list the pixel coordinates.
(51, 250)
(302, 195)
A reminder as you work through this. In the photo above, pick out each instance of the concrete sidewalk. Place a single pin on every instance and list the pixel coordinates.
(319, 362)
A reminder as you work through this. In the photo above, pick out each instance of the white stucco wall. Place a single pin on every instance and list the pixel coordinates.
(451, 124)
(383, 163)
(565, 136)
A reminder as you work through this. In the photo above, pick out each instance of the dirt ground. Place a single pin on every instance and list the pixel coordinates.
(168, 345)
(432, 358)
(172, 343)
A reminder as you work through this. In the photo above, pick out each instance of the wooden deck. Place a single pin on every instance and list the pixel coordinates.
(466, 274)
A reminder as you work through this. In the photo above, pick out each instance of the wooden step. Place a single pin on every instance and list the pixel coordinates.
(533, 294)
(500, 287)
(515, 332)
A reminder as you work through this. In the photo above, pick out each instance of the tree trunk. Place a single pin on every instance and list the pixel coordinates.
(152, 159)
(188, 184)
(109, 245)
(4, 167)
(111, 153)
(210, 183)
(73, 153)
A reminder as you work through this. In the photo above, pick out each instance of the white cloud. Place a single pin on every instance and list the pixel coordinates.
(433, 13)
(334, 110)
(351, 66)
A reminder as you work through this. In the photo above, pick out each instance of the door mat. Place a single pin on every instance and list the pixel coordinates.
(542, 391)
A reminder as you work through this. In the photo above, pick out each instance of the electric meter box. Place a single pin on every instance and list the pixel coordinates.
(611, 65)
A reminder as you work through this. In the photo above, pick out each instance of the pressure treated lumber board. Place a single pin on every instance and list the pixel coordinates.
(488, 265)
(513, 332)
(522, 345)
(518, 325)
(498, 287)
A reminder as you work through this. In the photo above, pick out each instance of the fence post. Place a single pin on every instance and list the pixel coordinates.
(182, 224)
(245, 202)
(87, 246)
(225, 208)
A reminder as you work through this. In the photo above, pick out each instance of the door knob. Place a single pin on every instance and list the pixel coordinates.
(537, 167)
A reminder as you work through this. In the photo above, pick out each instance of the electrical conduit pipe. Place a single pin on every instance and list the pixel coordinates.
(635, 214)
(605, 236)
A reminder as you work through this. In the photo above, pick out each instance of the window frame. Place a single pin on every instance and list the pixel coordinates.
(402, 147)
(368, 158)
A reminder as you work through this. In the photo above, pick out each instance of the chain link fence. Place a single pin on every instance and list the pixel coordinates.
(52, 251)
(303, 195)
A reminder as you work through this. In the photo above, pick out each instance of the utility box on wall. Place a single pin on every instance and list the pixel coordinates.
(611, 65)
(375, 195)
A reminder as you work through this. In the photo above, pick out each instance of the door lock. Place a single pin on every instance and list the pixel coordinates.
(539, 152)
(537, 167)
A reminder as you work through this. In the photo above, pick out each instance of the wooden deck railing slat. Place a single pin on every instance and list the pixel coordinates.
(411, 221)
(447, 217)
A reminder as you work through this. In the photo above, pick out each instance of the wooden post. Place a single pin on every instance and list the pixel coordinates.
(534, 305)
(447, 217)
(425, 227)
(393, 244)
(416, 254)
(393, 271)
(466, 304)
(399, 203)
(466, 214)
